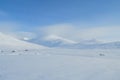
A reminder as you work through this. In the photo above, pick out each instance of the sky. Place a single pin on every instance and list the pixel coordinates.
(73, 19)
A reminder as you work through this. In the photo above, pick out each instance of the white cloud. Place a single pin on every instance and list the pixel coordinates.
(69, 31)
(24, 35)
(8, 26)
(77, 33)
(14, 29)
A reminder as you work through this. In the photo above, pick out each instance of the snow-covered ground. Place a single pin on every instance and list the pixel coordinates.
(20, 60)
(60, 64)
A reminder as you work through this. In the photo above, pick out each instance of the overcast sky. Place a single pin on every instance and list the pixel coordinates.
(73, 19)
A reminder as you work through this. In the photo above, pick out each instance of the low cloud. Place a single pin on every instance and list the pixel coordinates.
(103, 33)
(24, 35)
(14, 29)
(8, 27)
(69, 31)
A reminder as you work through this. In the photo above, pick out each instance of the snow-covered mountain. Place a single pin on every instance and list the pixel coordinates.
(91, 41)
(109, 45)
(53, 41)
(55, 38)
(61, 42)
(8, 42)
(56, 41)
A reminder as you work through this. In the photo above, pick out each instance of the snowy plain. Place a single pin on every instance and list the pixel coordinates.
(60, 64)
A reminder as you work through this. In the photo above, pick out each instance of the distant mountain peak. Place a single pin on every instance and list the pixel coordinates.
(59, 38)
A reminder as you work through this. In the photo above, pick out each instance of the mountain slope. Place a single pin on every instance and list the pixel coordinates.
(8, 42)
(59, 39)
(53, 41)
(61, 42)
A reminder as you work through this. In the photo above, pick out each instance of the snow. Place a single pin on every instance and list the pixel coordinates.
(20, 60)
(8, 42)
(55, 37)
(60, 64)
(91, 41)
(26, 39)
(56, 41)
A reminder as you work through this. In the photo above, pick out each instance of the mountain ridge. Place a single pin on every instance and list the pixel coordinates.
(60, 42)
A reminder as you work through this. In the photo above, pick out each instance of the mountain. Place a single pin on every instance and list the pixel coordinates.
(91, 41)
(60, 42)
(55, 38)
(8, 42)
(109, 45)
(53, 41)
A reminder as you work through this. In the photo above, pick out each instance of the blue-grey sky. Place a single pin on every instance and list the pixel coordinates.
(28, 15)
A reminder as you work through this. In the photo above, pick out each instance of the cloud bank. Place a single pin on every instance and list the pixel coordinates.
(8, 27)
(68, 31)
(13, 29)
(103, 33)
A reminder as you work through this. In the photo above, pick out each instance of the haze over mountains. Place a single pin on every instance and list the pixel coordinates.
(61, 42)
(54, 41)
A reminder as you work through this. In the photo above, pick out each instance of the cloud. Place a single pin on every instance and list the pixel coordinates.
(73, 32)
(24, 35)
(14, 30)
(69, 31)
(9, 26)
